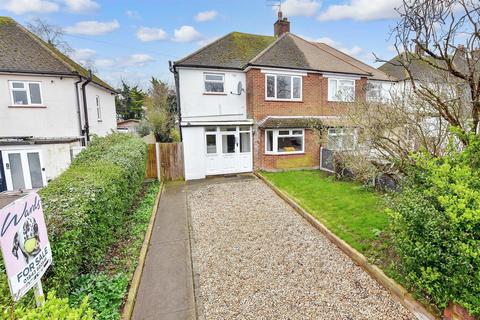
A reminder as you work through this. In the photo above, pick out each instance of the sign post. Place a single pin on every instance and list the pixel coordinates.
(25, 247)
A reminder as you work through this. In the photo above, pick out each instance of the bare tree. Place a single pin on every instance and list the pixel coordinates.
(443, 35)
(50, 33)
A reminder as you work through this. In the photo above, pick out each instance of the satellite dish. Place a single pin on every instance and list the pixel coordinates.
(239, 88)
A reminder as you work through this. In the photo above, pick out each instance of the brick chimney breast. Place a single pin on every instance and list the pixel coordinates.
(281, 26)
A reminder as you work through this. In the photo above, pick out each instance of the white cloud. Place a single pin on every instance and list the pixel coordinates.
(93, 28)
(186, 34)
(137, 60)
(151, 34)
(82, 6)
(29, 6)
(291, 8)
(83, 54)
(362, 10)
(132, 14)
(104, 63)
(328, 41)
(353, 51)
(204, 42)
(206, 16)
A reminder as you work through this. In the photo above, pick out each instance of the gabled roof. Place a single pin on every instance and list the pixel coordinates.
(239, 50)
(22, 51)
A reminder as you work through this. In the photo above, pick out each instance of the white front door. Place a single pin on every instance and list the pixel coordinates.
(23, 169)
(228, 149)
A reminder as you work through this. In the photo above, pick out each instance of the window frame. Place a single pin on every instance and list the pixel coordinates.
(26, 88)
(205, 74)
(342, 134)
(335, 97)
(99, 108)
(275, 75)
(275, 133)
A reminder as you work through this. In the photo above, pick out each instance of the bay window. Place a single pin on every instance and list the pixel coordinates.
(341, 90)
(284, 141)
(25, 93)
(283, 87)
(341, 139)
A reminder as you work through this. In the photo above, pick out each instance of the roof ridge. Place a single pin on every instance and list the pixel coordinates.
(204, 47)
(268, 48)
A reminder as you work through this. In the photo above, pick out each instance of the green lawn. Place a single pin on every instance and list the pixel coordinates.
(349, 210)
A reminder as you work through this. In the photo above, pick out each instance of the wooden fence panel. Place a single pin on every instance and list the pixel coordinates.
(171, 161)
(151, 171)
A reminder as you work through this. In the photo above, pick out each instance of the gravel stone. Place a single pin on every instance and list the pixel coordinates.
(258, 259)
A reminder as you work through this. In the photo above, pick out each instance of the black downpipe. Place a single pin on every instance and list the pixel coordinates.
(79, 114)
(177, 92)
(86, 128)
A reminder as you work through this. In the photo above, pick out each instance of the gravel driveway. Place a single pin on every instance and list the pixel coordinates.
(258, 259)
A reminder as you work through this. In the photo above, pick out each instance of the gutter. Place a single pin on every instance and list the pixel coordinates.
(177, 92)
(86, 129)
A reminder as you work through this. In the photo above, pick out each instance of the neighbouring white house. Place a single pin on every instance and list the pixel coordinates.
(50, 107)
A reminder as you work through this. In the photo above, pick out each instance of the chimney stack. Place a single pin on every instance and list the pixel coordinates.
(419, 50)
(281, 26)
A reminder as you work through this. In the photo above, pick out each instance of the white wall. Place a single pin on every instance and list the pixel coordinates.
(58, 117)
(194, 152)
(55, 157)
(107, 104)
(198, 106)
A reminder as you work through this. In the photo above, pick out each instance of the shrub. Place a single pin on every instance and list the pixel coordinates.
(87, 203)
(104, 292)
(54, 308)
(436, 228)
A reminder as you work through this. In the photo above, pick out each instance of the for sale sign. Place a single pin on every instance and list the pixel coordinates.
(24, 243)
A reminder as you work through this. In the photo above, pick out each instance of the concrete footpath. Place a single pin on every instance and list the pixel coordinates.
(166, 286)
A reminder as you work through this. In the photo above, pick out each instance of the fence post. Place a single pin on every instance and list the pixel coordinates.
(157, 154)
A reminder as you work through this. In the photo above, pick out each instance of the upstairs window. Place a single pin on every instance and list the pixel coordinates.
(25, 93)
(374, 91)
(99, 108)
(341, 90)
(214, 82)
(283, 87)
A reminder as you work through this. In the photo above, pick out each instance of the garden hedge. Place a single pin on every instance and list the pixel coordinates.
(85, 206)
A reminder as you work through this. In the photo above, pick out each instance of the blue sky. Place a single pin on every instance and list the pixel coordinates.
(134, 40)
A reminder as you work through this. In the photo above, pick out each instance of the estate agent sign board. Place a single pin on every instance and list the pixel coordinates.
(24, 244)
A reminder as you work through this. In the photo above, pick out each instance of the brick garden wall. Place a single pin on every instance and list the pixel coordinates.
(315, 103)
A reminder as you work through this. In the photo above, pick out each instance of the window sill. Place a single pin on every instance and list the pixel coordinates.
(283, 100)
(214, 94)
(28, 106)
(283, 153)
(341, 101)
(99, 120)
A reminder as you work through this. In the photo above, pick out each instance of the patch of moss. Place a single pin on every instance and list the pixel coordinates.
(6, 21)
(297, 162)
(245, 46)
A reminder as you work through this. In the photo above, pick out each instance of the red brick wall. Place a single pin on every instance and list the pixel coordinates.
(456, 312)
(314, 103)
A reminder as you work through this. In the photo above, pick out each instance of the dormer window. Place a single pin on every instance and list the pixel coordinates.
(214, 82)
(25, 93)
(283, 87)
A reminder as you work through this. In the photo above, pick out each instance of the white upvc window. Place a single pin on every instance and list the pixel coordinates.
(342, 139)
(341, 89)
(374, 91)
(283, 87)
(214, 82)
(26, 93)
(99, 108)
(284, 141)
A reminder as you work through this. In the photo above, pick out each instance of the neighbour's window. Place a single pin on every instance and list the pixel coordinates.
(283, 87)
(25, 93)
(214, 82)
(99, 108)
(374, 92)
(341, 139)
(341, 90)
(283, 141)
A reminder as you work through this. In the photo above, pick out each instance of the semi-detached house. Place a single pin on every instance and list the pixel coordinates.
(248, 101)
(49, 107)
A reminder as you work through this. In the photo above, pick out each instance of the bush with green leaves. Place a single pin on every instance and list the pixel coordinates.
(86, 204)
(105, 293)
(54, 308)
(436, 228)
